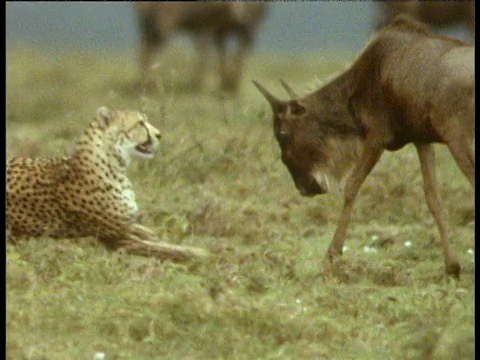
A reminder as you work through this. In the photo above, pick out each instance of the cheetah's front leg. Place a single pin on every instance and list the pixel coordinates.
(142, 241)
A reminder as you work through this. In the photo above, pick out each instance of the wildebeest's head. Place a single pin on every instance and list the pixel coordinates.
(313, 139)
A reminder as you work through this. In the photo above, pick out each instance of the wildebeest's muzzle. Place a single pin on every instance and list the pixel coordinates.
(305, 183)
(309, 188)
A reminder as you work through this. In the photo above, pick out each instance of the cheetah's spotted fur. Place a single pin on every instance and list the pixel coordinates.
(89, 193)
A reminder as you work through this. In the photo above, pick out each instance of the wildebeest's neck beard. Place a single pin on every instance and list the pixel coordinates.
(341, 153)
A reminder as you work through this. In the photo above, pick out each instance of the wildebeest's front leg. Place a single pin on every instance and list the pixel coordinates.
(371, 154)
(427, 162)
(461, 151)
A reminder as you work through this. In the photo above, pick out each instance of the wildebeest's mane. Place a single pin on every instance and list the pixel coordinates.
(332, 93)
(340, 120)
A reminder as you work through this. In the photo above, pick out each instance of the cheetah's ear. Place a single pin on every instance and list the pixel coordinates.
(104, 114)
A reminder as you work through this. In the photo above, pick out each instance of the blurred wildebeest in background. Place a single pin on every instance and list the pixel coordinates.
(433, 13)
(407, 86)
(206, 21)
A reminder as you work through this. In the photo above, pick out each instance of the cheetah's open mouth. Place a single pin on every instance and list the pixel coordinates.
(145, 148)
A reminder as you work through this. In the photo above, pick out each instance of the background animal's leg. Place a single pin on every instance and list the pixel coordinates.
(369, 158)
(201, 45)
(470, 21)
(238, 61)
(463, 154)
(427, 162)
(152, 40)
(146, 54)
(222, 58)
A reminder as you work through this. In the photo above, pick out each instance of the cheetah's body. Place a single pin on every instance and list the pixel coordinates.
(87, 194)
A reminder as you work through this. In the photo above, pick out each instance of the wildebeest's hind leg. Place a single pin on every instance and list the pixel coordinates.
(461, 150)
(369, 158)
(427, 162)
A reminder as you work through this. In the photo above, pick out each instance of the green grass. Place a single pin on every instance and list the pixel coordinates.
(218, 183)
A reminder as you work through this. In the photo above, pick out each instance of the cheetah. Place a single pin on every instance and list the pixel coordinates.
(89, 193)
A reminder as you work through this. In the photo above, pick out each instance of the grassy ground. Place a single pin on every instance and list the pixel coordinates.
(218, 183)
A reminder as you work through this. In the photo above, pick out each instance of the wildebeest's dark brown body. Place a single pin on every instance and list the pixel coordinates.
(205, 21)
(408, 86)
(434, 13)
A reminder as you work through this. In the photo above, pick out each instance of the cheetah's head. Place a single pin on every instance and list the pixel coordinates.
(131, 131)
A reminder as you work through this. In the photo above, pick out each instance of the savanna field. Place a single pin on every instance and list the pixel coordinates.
(217, 182)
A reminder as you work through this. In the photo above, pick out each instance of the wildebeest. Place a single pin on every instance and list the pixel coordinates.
(434, 13)
(217, 21)
(407, 86)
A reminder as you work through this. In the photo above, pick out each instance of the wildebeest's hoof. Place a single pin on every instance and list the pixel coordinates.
(333, 254)
(453, 269)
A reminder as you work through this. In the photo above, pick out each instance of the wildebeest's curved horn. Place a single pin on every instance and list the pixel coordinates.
(289, 90)
(271, 99)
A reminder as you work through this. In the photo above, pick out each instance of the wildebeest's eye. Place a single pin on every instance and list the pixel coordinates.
(296, 108)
